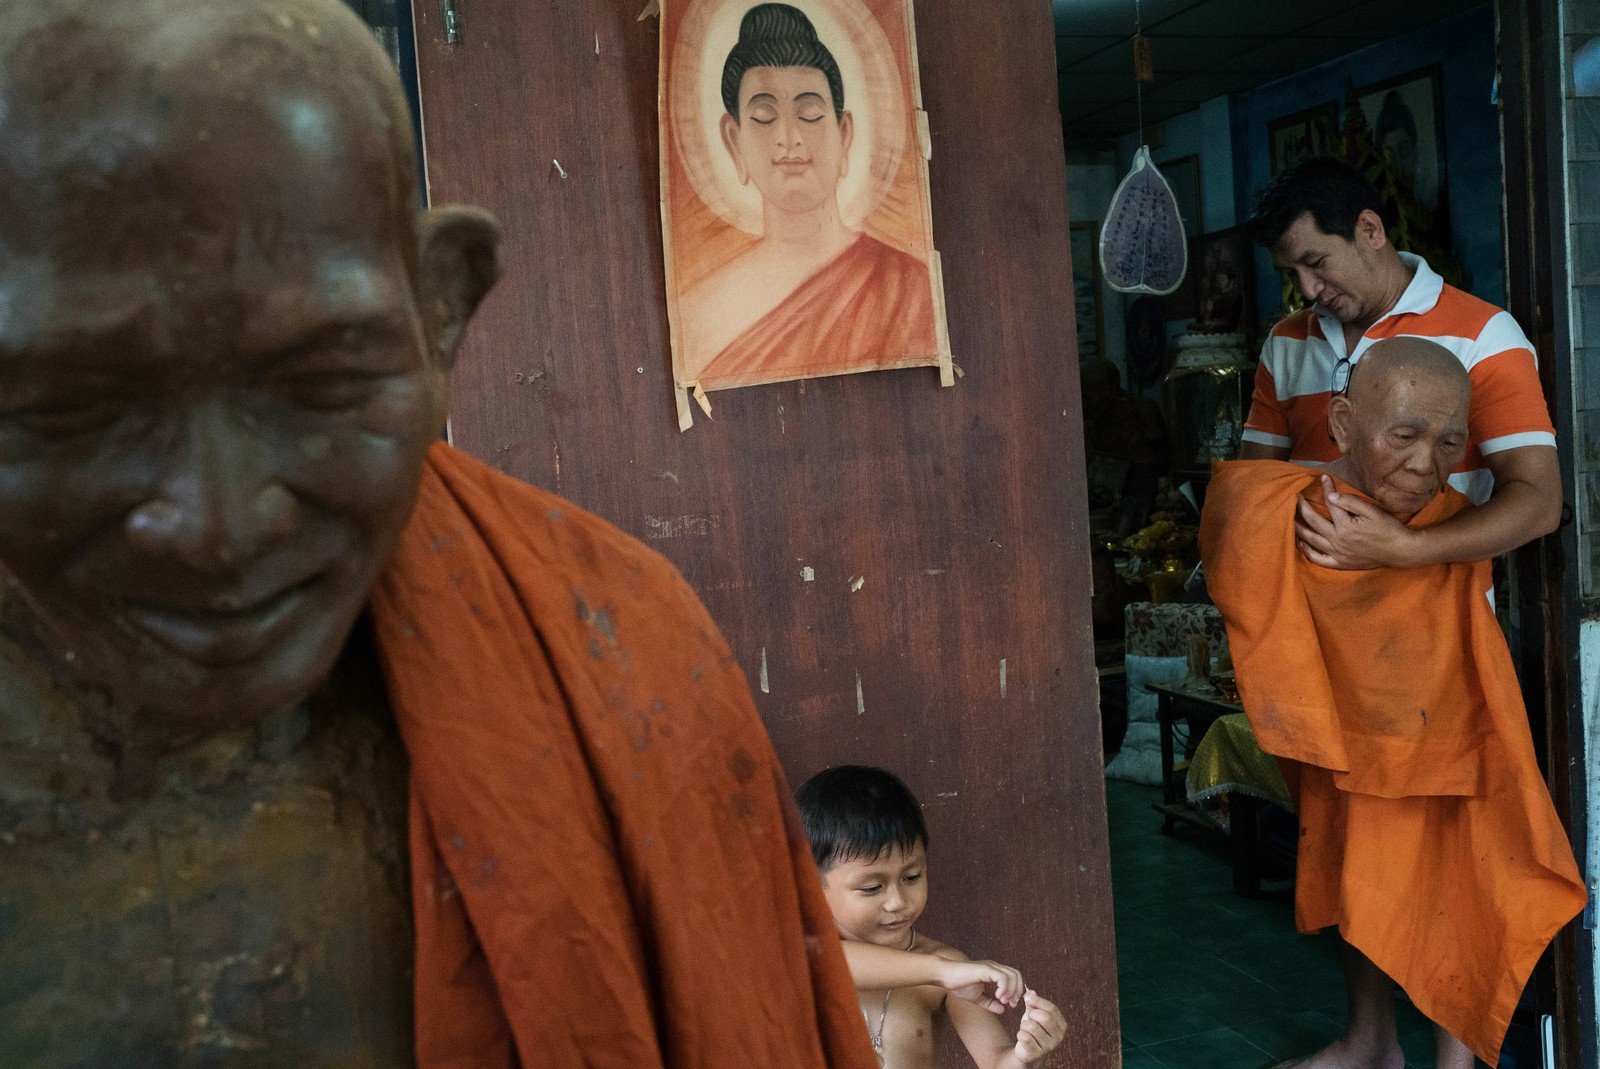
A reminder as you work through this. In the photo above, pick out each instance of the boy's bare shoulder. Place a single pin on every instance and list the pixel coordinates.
(933, 996)
(927, 944)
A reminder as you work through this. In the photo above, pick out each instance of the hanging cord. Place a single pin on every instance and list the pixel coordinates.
(1138, 83)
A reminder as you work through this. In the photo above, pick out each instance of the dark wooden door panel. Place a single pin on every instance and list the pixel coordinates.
(959, 509)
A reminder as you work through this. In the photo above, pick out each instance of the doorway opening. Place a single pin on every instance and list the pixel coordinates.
(1202, 828)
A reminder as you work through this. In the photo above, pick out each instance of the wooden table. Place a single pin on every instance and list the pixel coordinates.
(1198, 704)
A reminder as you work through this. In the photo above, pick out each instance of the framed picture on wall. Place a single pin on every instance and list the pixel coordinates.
(1406, 117)
(1090, 313)
(1183, 176)
(1224, 269)
(1312, 132)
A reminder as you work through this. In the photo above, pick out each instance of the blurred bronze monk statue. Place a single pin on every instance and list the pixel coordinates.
(321, 743)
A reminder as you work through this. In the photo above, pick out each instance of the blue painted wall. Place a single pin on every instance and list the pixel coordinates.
(1464, 46)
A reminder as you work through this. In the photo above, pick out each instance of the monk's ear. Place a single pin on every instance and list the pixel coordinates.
(458, 265)
(1339, 422)
(847, 134)
(730, 141)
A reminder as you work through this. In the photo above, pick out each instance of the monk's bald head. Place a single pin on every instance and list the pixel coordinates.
(1402, 423)
(1407, 360)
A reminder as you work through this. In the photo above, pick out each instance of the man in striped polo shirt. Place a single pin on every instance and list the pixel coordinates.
(1322, 222)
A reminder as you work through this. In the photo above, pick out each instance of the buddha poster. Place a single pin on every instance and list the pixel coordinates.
(794, 186)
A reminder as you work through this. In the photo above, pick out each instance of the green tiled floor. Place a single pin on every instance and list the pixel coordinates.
(1209, 979)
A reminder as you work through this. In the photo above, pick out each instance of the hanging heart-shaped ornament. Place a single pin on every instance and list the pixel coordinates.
(1142, 244)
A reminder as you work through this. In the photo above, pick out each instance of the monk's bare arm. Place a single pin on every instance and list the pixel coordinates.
(1526, 504)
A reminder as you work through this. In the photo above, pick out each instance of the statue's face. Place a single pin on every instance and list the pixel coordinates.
(788, 140)
(215, 393)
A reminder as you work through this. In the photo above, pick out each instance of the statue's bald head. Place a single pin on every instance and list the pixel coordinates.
(90, 86)
(1402, 423)
(224, 330)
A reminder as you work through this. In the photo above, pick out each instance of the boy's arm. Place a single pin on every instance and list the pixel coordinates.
(993, 1045)
(874, 968)
(984, 983)
(985, 1036)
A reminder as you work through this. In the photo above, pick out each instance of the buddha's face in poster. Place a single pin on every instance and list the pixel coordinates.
(789, 139)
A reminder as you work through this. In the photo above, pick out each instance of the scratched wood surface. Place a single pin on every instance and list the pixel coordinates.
(963, 661)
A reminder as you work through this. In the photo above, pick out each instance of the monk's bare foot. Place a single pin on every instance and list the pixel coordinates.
(1341, 1054)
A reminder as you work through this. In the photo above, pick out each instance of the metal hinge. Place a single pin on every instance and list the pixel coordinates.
(452, 22)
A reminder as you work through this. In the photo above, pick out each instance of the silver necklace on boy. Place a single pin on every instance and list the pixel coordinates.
(883, 1014)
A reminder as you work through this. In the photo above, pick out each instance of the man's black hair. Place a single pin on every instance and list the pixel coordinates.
(778, 35)
(1333, 191)
(856, 813)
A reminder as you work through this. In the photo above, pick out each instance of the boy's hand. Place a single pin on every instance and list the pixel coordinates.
(1042, 1029)
(989, 984)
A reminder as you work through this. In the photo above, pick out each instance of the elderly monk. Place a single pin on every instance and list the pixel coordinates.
(1427, 834)
(321, 743)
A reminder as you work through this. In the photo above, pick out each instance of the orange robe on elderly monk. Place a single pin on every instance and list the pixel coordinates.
(870, 307)
(605, 870)
(1427, 833)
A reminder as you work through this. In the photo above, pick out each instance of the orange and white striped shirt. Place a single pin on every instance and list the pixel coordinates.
(1295, 380)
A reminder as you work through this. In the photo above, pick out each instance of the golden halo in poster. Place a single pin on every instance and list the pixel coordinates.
(795, 207)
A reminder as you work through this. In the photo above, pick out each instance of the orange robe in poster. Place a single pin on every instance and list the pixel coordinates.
(605, 868)
(1427, 833)
(871, 307)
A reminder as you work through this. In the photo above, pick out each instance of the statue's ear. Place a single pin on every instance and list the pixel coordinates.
(459, 263)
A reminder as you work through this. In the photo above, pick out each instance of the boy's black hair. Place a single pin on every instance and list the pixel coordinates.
(856, 812)
(1333, 191)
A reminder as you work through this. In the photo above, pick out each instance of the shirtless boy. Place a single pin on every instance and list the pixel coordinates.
(871, 846)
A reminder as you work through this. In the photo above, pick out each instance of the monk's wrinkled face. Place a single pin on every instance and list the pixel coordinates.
(1403, 432)
(787, 139)
(214, 389)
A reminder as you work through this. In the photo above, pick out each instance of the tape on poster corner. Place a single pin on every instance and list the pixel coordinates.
(947, 368)
(698, 392)
(680, 397)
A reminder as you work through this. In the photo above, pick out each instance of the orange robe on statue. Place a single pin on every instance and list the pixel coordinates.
(870, 308)
(605, 867)
(1427, 833)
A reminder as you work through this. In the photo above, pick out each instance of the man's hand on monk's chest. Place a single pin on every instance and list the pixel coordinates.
(250, 909)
